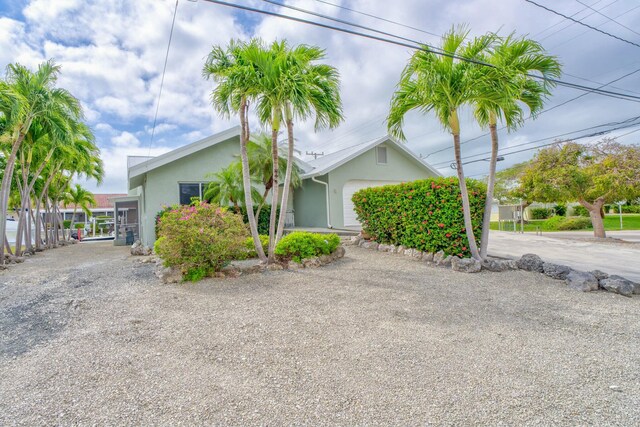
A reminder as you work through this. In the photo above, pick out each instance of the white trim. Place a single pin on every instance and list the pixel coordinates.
(183, 151)
(387, 138)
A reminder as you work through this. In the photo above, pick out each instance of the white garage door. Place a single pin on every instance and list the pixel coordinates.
(347, 192)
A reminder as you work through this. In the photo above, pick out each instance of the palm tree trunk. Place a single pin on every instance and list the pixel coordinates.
(286, 188)
(275, 190)
(5, 188)
(466, 209)
(491, 182)
(7, 246)
(246, 181)
(73, 220)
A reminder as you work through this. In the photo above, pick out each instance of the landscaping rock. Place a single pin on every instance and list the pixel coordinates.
(416, 254)
(392, 249)
(355, 240)
(499, 265)
(339, 252)
(600, 275)
(292, 265)
(275, 266)
(370, 245)
(618, 285)
(311, 262)
(383, 248)
(581, 281)
(427, 256)
(168, 274)
(442, 260)
(231, 271)
(138, 249)
(530, 262)
(325, 259)
(466, 265)
(556, 271)
(400, 249)
(247, 266)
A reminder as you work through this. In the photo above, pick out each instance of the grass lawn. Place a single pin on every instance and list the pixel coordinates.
(611, 223)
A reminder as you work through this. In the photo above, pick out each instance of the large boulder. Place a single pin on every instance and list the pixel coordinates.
(600, 275)
(339, 252)
(618, 285)
(581, 281)
(556, 271)
(466, 265)
(530, 262)
(499, 265)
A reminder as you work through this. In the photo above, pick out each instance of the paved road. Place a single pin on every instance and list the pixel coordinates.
(575, 249)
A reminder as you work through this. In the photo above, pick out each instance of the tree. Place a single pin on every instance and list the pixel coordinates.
(507, 189)
(591, 175)
(227, 187)
(236, 80)
(79, 198)
(260, 164)
(443, 84)
(511, 86)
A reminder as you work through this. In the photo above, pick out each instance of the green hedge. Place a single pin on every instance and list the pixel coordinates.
(263, 221)
(425, 215)
(559, 223)
(301, 244)
(629, 209)
(541, 213)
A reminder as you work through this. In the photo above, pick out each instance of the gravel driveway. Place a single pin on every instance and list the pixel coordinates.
(89, 336)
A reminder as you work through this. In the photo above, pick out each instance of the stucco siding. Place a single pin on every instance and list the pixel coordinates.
(309, 204)
(399, 168)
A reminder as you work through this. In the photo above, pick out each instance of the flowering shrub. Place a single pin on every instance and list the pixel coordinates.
(200, 239)
(425, 215)
(301, 244)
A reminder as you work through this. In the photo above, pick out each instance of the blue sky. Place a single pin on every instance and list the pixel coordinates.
(112, 54)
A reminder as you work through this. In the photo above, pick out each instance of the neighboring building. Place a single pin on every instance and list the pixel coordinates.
(104, 207)
(323, 200)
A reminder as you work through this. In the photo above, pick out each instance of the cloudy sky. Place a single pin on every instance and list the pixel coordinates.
(112, 53)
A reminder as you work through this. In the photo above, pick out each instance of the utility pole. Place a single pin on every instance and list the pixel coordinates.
(314, 154)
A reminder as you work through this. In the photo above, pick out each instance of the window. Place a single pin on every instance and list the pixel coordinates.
(381, 155)
(189, 190)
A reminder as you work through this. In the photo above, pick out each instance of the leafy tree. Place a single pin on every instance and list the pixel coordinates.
(507, 188)
(80, 198)
(227, 188)
(443, 84)
(591, 175)
(236, 78)
(512, 87)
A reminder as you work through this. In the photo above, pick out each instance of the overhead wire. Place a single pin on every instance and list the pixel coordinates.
(610, 19)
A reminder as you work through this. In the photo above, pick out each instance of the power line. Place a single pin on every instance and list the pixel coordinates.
(423, 47)
(164, 71)
(577, 21)
(573, 23)
(610, 19)
(539, 33)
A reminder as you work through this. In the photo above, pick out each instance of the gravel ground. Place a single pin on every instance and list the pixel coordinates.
(89, 336)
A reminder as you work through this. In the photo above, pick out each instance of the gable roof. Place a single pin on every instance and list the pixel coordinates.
(137, 168)
(103, 201)
(329, 162)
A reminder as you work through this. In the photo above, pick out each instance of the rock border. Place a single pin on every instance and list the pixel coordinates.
(575, 279)
(245, 267)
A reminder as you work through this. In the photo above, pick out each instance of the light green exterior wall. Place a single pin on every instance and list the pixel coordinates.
(309, 204)
(161, 184)
(399, 168)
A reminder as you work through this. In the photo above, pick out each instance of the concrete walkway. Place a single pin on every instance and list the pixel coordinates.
(576, 250)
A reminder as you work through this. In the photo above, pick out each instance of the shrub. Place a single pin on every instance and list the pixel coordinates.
(560, 210)
(251, 248)
(200, 239)
(425, 215)
(541, 213)
(301, 244)
(78, 225)
(263, 221)
(580, 211)
(629, 209)
(160, 214)
(559, 223)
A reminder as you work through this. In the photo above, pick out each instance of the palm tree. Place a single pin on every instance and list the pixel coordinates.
(25, 97)
(236, 78)
(79, 198)
(227, 187)
(261, 166)
(443, 83)
(515, 61)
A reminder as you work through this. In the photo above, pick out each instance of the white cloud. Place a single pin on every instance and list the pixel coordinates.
(125, 140)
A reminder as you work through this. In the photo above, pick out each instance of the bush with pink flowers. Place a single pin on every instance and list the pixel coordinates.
(200, 239)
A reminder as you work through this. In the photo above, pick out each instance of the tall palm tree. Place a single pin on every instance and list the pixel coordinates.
(226, 188)
(26, 96)
(442, 84)
(261, 166)
(80, 198)
(236, 79)
(516, 61)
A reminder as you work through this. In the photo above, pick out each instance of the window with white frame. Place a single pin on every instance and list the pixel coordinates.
(188, 190)
(381, 155)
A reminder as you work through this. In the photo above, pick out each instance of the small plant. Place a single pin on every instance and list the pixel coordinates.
(300, 244)
(560, 210)
(580, 211)
(251, 248)
(541, 213)
(559, 223)
(200, 239)
(262, 220)
(79, 225)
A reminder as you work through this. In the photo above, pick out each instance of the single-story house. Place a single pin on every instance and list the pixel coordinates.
(323, 199)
